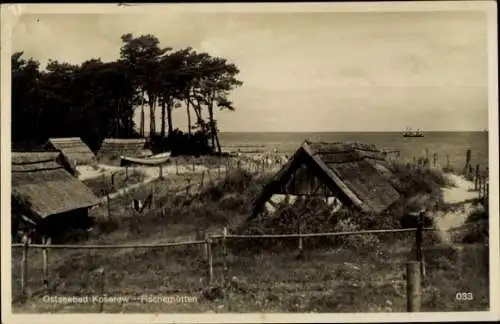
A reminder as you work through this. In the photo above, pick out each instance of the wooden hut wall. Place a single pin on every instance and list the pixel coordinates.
(304, 181)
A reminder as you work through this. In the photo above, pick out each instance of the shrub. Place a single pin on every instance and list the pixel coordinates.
(356, 242)
(413, 179)
(180, 143)
(102, 184)
(478, 232)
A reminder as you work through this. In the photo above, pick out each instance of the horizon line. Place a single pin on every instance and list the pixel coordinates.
(360, 131)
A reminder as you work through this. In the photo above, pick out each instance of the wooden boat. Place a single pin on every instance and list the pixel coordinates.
(154, 160)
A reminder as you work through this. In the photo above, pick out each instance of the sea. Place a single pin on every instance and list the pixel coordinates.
(450, 146)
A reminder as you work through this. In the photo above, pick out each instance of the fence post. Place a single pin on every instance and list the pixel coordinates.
(208, 249)
(102, 277)
(188, 187)
(194, 165)
(108, 203)
(467, 163)
(481, 187)
(476, 178)
(413, 287)
(225, 279)
(435, 159)
(45, 260)
(24, 269)
(419, 239)
(486, 189)
(301, 243)
(202, 178)
(161, 171)
(176, 167)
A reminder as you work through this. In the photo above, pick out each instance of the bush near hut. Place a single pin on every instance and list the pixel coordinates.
(223, 204)
(332, 280)
(181, 143)
(420, 190)
(102, 184)
(479, 233)
(414, 180)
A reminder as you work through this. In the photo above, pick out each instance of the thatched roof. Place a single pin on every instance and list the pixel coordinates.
(349, 168)
(114, 148)
(45, 187)
(74, 150)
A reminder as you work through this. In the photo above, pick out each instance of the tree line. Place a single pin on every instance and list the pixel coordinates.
(95, 100)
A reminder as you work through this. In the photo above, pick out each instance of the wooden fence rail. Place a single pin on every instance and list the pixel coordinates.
(415, 267)
(414, 283)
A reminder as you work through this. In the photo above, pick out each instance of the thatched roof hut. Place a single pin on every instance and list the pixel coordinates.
(113, 148)
(352, 172)
(45, 188)
(74, 150)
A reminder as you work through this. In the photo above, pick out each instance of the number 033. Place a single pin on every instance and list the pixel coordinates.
(464, 296)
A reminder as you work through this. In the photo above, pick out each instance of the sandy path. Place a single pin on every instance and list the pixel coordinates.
(88, 172)
(462, 191)
(152, 173)
(460, 194)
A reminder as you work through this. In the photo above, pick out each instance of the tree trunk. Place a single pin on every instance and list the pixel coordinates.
(141, 126)
(170, 119)
(130, 124)
(117, 125)
(219, 149)
(163, 111)
(212, 124)
(197, 111)
(188, 110)
(152, 119)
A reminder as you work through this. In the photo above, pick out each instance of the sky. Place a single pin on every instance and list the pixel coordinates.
(306, 71)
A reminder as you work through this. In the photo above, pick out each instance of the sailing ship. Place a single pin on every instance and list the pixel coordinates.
(409, 133)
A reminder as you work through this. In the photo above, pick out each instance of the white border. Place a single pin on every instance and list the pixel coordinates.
(10, 13)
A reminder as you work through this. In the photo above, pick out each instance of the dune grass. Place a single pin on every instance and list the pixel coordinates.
(102, 184)
(355, 274)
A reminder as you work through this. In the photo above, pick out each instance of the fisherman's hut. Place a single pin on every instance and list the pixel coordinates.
(46, 198)
(73, 150)
(355, 175)
(112, 149)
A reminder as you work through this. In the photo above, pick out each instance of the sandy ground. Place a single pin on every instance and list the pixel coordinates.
(88, 172)
(150, 173)
(459, 194)
(462, 191)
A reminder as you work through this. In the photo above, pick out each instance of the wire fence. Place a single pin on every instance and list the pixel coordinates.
(217, 269)
(221, 268)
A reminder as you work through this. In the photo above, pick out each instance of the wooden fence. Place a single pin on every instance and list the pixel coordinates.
(481, 182)
(478, 175)
(197, 178)
(415, 270)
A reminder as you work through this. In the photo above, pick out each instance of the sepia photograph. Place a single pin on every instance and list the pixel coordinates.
(225, 159)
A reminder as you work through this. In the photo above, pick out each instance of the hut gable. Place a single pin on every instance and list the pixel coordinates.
(113, 148)
(45, 187)
(74, 150)
(344, 170)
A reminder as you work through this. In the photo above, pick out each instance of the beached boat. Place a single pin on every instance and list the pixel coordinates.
(409, 133)
(154, 160)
